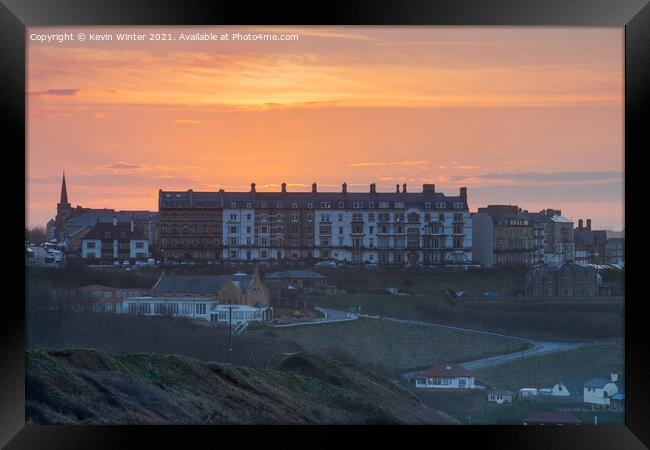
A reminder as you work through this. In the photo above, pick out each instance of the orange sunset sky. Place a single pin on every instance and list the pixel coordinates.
(527, 116)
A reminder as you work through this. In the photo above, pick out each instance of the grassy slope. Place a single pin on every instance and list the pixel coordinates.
(519, 410)
(391, 347)
(94, 387)
(590, 361)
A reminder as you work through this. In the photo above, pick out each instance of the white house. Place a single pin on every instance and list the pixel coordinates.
(500, 397)
(598, 391)
(567, 388)
(445, 376)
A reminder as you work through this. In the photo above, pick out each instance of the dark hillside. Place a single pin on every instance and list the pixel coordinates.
(82, 386)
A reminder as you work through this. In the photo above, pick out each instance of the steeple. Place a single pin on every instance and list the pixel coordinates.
(64, 193)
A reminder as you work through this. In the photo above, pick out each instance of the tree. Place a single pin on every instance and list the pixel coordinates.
(37, 235)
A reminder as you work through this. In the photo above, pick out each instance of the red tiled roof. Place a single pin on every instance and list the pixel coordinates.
(552, 417)
(445, 370)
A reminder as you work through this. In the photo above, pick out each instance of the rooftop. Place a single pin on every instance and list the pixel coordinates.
(445, 370)
(304, 274)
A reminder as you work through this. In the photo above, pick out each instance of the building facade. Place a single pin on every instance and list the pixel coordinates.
(401, 228)
(503, 235)
(115, 241)
(566, 280)
(553, 235)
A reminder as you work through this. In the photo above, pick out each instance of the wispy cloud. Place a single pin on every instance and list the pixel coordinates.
(187, 121)
(405, 163)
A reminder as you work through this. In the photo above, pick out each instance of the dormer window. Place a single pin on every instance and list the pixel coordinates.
(441, 205)
(233, 205)
(341, 204)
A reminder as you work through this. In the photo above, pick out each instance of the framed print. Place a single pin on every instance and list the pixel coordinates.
(355, 218)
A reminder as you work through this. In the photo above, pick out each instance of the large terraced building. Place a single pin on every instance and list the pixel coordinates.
(401, 227)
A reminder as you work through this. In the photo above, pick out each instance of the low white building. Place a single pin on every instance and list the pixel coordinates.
(599, 391)
(204, 308)
(527, 392)
(445, 376)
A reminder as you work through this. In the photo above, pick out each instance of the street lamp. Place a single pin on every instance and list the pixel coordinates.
(230, 308)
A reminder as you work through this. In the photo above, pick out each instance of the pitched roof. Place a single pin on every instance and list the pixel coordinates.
(597, 382)
(197, 284)
(304, 274)
(551, 417)
(501, 392)
(574, 386)
(285, 200)
(445, 370)
(90, 217)
(114, 232)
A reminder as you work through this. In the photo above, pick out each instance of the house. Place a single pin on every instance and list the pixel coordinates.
(598, 391)
(115, 241)
(305, 281)
(551, 418)
(567, 388)
(501, 396)
(565, 280)
(445, 376)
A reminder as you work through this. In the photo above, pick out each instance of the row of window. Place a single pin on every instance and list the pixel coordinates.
(355, 205)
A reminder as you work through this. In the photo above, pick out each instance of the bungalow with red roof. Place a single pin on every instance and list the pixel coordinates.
(445, 376)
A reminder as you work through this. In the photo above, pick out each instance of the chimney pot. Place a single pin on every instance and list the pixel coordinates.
(580, 223)
(463, 192)
(344, 188)
(284, 187)
(589, 224)
(373, 188)
(252, 187)
(314, 187)
(404, 188)
(397, 188)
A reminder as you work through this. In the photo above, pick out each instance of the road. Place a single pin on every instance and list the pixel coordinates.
(537, 347)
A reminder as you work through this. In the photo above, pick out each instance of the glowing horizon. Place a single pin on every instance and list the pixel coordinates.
(526, 116)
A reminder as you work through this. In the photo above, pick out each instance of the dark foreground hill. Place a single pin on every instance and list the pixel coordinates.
(93, 387)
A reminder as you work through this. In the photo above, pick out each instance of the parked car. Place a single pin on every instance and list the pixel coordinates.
(116, 263)
(330, 263)
(125, 263)
(491, 294)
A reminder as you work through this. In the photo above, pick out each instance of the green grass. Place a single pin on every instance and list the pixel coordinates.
(590, 361)
(520, 409)
(391, 347)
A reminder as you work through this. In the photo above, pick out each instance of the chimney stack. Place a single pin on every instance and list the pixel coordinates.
(313, 188)
(429, 188)
(114, 220)
(252, 187)
(589, 224)
(463, 192)
(344, 188)
(373, 188)
(404, 188)
(580, 223)
(397, 188)
(284, 188)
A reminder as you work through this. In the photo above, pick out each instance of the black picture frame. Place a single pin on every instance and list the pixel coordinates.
(634, 15)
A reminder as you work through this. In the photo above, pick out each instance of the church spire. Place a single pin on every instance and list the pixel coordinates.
(64, 192)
